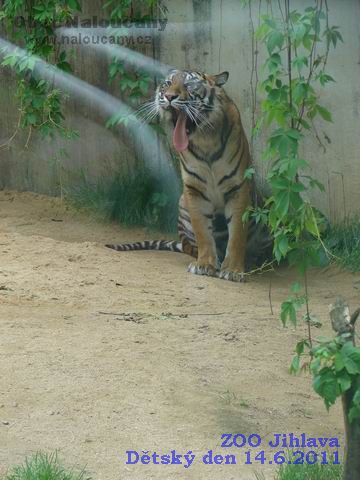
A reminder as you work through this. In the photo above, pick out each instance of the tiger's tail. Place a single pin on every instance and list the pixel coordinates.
(171, 246)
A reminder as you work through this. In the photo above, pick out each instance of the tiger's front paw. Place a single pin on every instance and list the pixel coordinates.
(232, 275)
(202, 269)
(232, 270)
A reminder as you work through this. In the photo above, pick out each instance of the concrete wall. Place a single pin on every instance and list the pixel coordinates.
(212, 36)
(97, 153)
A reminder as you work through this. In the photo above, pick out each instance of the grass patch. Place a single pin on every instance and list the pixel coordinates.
(343, 240)
(140, 199)
(306, 471)
(42, 466)
(309, 472)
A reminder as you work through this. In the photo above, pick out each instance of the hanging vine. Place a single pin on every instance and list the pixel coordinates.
(32, 24)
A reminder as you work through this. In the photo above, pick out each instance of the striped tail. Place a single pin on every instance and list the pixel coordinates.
(171, 246)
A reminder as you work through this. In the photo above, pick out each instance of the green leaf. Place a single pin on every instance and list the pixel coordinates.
(297, 187)
(273, 62)
(295, 365)
(344, 381)
(273, 218)
(38, 102)
(65, 67)
(274, 95)
(293, 133)
(324, 78)
(279, 183)
(326, 385)
(300, 92)
(300, 62)
(246, 215)
(333, 35)
(10, 60)
(338, 362)
(354, 413)
(74, 4)
(304, 124)
(283, 245)
(325, 114)
(307, 42)
(288, 311)
(299, 32)
(300, 346)
(274, 40)
(31, 118)
(310, 222)
(356, 398)
(282, 203)
(351, 358)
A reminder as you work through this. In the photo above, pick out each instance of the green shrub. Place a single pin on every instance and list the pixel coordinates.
(309, 472)
(42, 466)
(140, 199)
(343, 240)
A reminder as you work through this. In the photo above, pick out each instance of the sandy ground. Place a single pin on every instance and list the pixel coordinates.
(103, 352)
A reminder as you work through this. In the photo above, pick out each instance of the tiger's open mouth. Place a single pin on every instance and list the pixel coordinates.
(183, 127)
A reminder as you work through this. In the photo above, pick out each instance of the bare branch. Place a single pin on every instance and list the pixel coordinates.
(340, 316)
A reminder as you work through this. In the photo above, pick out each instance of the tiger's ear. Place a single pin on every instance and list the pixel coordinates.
(221, 79)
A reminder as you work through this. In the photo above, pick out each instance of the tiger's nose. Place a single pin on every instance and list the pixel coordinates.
(171, 96)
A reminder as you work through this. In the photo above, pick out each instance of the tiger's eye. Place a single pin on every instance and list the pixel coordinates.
(191, 86)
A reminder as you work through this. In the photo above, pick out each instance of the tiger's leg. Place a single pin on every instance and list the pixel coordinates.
(201, 213)
(185, 230)
(233, 266)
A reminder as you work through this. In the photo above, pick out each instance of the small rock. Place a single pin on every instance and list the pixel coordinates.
(15, 404)
(5, 422)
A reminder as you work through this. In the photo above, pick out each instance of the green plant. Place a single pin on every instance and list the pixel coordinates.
(133, 82)
(294, 71)
(134, 85)
(298, 45)
(43, 466)
(307, 471)
(136, 199)
(343, 240)
(40, 104)
(334, 364)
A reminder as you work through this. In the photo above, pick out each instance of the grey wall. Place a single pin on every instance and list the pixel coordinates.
(212, 36)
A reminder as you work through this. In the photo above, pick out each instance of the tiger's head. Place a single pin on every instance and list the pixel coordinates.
(187, 100)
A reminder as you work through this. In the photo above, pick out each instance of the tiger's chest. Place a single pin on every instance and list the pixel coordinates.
(214, 178)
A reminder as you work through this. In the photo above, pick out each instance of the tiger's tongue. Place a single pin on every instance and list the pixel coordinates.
(180, 137)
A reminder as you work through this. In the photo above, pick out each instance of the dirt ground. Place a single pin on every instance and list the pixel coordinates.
(103, 352)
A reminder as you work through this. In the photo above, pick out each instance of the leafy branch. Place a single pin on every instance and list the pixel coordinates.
(40, 104)
(298, 46)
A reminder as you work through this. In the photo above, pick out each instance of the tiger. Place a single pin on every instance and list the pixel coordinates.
(209, 138)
